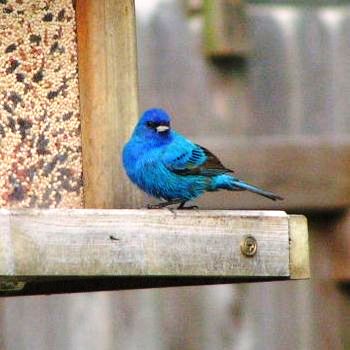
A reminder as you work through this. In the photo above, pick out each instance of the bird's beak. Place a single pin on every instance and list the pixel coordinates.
(162, 128)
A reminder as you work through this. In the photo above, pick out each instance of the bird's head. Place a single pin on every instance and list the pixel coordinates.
(154, 124)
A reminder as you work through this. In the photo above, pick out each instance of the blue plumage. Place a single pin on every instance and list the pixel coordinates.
(166, 165)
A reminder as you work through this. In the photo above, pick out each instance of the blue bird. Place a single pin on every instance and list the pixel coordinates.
(168, 166)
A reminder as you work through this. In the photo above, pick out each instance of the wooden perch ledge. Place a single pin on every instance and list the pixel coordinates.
(78, 250)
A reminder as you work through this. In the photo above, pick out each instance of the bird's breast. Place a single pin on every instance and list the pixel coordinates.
(146, 169)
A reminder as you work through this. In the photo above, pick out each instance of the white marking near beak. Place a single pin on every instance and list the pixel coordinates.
(162, 128)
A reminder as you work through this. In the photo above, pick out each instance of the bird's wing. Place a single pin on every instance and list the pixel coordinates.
(186, 158)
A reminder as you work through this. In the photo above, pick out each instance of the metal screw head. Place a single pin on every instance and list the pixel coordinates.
(249, 246)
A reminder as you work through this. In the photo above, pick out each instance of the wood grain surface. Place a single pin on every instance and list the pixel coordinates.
(108, 98)
(144, 243)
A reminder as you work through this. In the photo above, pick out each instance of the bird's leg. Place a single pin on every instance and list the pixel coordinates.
(166, 204)
(182, 206)
(162, 204)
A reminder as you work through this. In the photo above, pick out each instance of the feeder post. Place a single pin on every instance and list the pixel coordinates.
(108, 98)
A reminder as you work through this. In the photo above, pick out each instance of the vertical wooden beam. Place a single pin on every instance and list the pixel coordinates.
(108, 98)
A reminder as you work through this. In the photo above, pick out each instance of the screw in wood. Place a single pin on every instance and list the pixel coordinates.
(249, 246)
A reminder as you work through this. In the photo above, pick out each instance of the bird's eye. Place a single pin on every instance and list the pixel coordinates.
(152, 125)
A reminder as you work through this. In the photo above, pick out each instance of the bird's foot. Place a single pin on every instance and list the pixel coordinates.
(166, 205)
(161, 205)
(190, 207)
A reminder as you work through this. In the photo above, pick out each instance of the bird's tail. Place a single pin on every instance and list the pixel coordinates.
(231, 183)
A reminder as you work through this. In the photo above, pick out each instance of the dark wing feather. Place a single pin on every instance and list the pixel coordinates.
(209, 166)
(213, 162)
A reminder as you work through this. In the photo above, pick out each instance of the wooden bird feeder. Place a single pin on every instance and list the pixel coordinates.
(68, 102)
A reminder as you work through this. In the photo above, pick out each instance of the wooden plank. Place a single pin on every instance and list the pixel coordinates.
(299, 266)
(185, 245)
(108, 98)
(144, 242)
(299, 169)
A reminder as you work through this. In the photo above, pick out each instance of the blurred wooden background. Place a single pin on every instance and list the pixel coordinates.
(287, 80)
